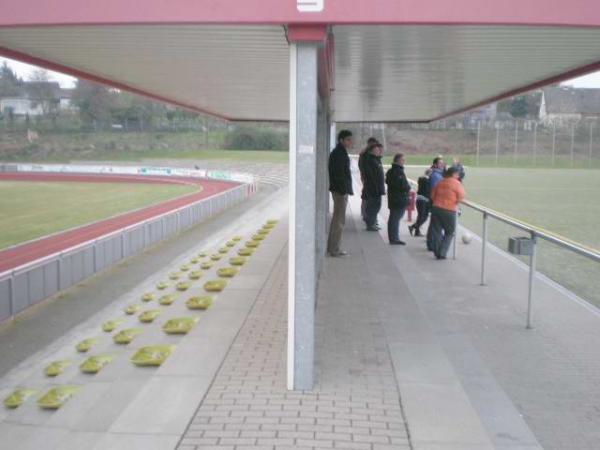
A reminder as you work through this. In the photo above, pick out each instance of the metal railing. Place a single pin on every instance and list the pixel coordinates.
(534, 232)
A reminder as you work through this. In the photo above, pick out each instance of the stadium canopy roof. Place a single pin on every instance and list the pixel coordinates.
(386, 60)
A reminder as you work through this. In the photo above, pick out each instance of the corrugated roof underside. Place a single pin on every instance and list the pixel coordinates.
(240, 72)
(390, 73)
(382, 73)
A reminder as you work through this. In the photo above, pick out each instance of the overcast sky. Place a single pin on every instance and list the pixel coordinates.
(24, 70)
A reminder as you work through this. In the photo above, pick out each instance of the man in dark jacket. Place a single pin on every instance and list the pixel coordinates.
(373, 185)
(361, 168)
(340, 185)
(398, 190)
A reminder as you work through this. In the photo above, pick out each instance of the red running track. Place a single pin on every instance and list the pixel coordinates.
(22, 254)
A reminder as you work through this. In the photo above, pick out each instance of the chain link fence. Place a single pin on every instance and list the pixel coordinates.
(518, 143)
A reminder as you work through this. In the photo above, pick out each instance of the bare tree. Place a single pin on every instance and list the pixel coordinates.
(43, 91)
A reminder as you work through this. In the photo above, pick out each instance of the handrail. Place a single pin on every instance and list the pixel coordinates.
(539, 232)
(535, 233)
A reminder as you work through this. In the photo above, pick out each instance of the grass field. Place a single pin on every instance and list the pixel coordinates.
(565, 202)
(29, 210)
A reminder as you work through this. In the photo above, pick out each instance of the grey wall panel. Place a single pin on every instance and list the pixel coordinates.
(141, 233)
(104, 253)
(138, 240)
(113, 249)
(155, 231)
(77, 273)
(5, 311)
(65, 273)
(125, 245)
(36, 285)
(88, 262)
(100, 256)
(21, 289)
(50, 278)
(43, 282)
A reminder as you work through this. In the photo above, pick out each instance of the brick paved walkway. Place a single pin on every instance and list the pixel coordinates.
(355, 404)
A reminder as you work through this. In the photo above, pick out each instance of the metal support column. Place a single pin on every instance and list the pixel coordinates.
(553, 142)
(303, 196)
(535, 126)
(591, 142)
(484, 238)
(497, 142)
(478, 143)
(532, 264)
(516, 141)
(572, 144)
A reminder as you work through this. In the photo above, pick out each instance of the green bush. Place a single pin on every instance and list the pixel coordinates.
(246, 137)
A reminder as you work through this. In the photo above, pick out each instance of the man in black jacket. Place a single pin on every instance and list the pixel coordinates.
(340, 185)
(398, 190)
(373, 184)
(361, 169)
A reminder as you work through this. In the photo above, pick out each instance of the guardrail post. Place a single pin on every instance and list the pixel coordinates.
(11, 293)
(532, 261)
(483, 246)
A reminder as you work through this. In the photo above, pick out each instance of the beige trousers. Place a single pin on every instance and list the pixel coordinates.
(338, 220)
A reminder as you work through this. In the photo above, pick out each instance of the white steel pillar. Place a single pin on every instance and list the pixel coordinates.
(302, 264)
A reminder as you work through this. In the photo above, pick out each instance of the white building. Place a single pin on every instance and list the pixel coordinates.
(37, 98)
(566, 104)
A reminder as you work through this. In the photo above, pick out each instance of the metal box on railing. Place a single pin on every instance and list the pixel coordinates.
(520, 245)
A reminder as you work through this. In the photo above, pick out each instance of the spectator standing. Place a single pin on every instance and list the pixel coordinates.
(437, 174)
(398, 190)
(423, 203)
(461, 169)
(361, 169)
(374, 185)
(445, 197)
(340, 185)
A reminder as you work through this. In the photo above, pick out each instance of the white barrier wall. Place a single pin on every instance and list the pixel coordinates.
(29, 284)
(239, 177)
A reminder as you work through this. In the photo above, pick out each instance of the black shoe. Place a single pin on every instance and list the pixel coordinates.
(372, 229)
(418, 233)
(397, 243)
(411, 229)
(440, 257)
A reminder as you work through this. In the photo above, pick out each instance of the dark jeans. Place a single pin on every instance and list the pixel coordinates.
(372, 209)
(394, 223)
(423, 214)
(443, 225)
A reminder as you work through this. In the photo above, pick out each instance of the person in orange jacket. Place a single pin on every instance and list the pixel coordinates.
(445, 198)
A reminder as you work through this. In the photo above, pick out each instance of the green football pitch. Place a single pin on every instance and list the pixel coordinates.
(565, 202)
(29, 210)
